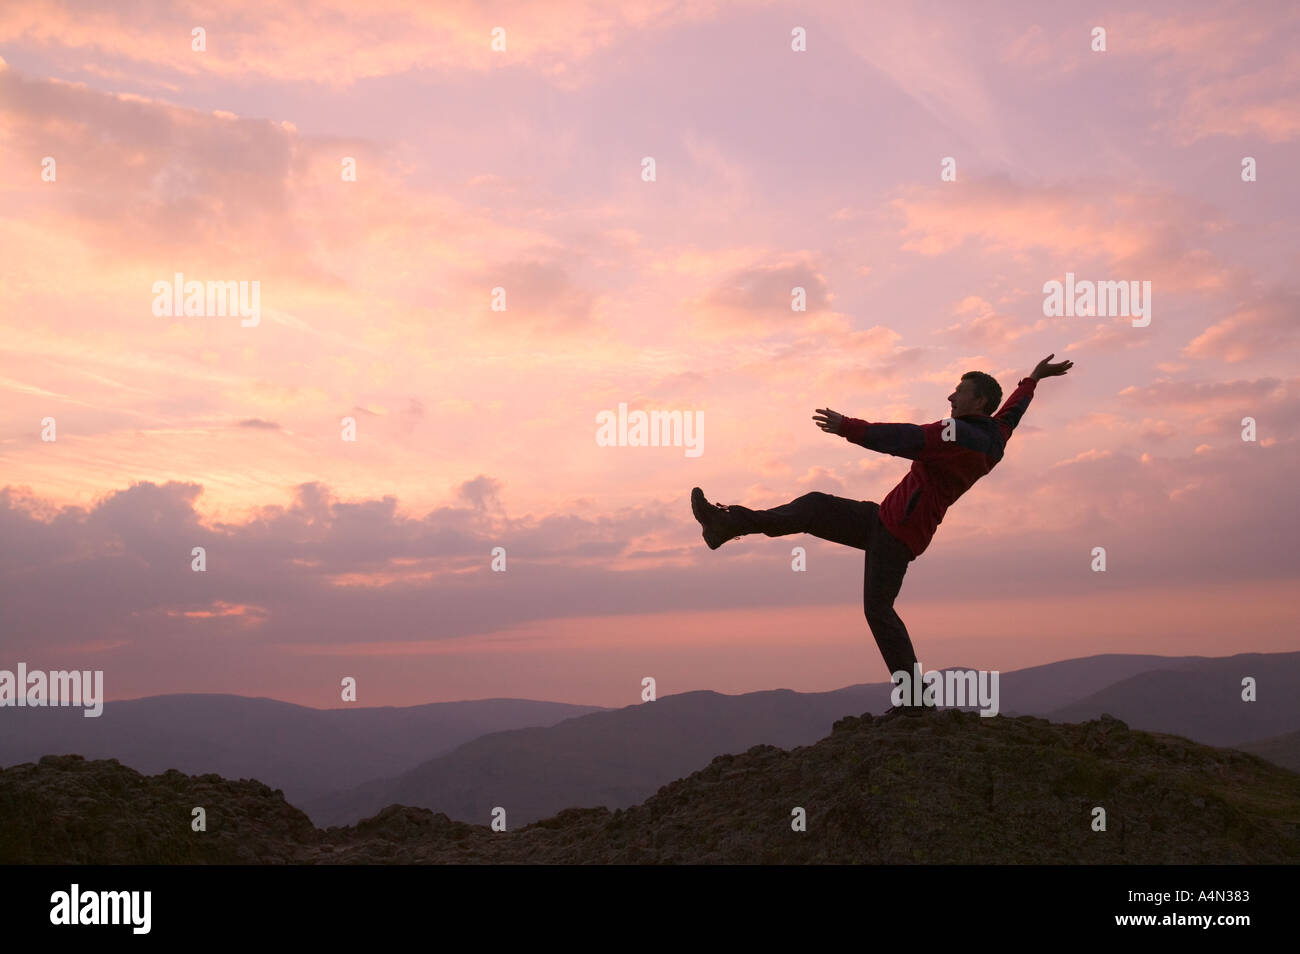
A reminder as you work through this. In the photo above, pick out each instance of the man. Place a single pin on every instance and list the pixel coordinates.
(948, 457)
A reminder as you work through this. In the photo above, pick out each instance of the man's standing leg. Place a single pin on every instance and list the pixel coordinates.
(886, 562)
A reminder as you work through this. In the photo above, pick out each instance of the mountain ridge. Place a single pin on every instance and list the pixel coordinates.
(307, 752)
(619, 757)
(947, 787)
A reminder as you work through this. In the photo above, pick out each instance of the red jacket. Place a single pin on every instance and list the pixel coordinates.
(943, 470)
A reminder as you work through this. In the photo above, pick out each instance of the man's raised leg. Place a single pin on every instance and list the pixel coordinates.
(832, 518)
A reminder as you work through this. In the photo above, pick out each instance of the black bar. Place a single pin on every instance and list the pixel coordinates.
(658, 905)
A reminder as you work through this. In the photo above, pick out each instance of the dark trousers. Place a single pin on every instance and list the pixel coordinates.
(854, 523)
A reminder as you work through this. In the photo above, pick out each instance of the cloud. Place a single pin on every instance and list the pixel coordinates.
(759, 299)
(145, 182)
(821, 478)
(1204, 396)
(1089, 455)
(1031, 47)
(327, 576)
(984, 327)
(318, 43)
(1145, 235)
(1110, 337)
(541, 299)
(931, 57)
(1217, 407)
(481, 492)
(1155, 431)
(1219, 72)
(834, 359)
(1264, 325)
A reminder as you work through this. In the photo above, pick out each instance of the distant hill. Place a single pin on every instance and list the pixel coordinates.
(617, 758)
(945, 788)
(1040, 689)
(1283, 750)
(306, 752)
(614, 758)
(1201, 699)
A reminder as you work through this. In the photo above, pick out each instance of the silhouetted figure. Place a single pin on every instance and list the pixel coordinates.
(948, 457)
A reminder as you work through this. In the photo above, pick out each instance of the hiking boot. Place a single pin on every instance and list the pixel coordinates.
(909, 711)
(720, 524)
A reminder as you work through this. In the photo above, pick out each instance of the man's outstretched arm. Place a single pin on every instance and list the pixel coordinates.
(913, 441)
(1016, 405)
(901, 440)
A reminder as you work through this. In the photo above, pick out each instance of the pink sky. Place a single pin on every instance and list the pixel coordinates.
(522, 168)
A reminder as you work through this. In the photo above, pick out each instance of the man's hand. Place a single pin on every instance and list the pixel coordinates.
(1045, 370)
(828, 420)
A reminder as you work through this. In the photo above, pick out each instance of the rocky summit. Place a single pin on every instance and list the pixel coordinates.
(943, 788)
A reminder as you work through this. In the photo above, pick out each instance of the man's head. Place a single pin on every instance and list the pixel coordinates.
(977, 393)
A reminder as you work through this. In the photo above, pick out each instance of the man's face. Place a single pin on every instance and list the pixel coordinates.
(964, 401)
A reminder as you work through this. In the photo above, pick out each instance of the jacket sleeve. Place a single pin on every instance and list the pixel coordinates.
(1014, 407)
(925, 441)
(900, 440)
(959, 434)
